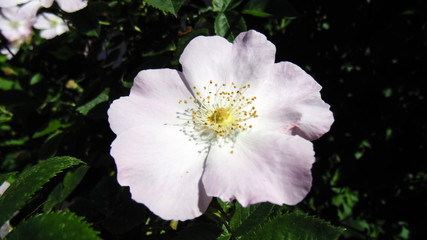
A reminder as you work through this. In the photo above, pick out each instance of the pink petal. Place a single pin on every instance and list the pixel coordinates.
(72, 5)
(245, 61)
(31, 8)
(205, 59)
(253, 57)
(264, 166)
(154, 99)
(163, 170)
(290, 100)
(11, 3)
(316, 118)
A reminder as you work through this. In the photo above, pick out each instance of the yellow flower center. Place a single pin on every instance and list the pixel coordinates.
(14, 24)
(221, 116)
(217, 113)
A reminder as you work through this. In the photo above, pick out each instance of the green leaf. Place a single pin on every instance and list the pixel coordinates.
(29, 181)
(171, 6)
(6, 84)
(102, 97)
(245, 219)
(267, 8)
(295, 226)
(229, 25)
(224, 5)
(54, 226)
(14, 142)
(64, 189)
(51, 127)
(225, 205)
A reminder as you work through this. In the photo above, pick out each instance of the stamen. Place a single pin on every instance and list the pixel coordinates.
(217, 116)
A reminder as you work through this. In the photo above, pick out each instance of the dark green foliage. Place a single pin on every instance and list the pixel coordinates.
(64, 189)
(29, 181)
(370, 175)
(294, 226)
(54, 226)
(171, 6)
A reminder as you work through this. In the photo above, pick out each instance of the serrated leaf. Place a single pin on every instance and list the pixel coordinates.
(295, 226)
(229, 25)
(64, 189)
(102, 97)
(245, 219)
(29, 181)
(171, 6)
(54, 226)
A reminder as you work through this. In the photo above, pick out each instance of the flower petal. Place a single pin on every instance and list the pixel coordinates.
(72, 5)
(290, 100)
(163, 170)
(31, 8)
(11, 3)
(316, 118)
(253, 57)
(264, 166)
(205, 59)
(214, 58)
(154, 99)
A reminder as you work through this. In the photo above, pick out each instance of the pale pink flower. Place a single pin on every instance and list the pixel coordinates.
(29, 8)
(14, 26)
(50, 25)
(233, 124)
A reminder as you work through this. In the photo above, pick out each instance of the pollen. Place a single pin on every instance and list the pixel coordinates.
(218, 112)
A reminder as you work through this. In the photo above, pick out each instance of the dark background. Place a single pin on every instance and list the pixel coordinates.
(370, 56)
(371, 59)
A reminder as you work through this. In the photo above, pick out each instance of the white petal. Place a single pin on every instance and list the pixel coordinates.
(72, 5)
(205, 59)
(163, 170)
(246, 60)
(290, 101)
(154, 99)
(253, 58)
(264, 166)
(11, 3)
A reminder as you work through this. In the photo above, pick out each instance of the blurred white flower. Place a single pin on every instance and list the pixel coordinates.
(50, 25)
(27, 8)
(14, 26)
(30, 7)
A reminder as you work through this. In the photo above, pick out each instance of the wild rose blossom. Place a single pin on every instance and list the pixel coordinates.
(50, 25)
(233, 124)
(13, 26)
(29, 8)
